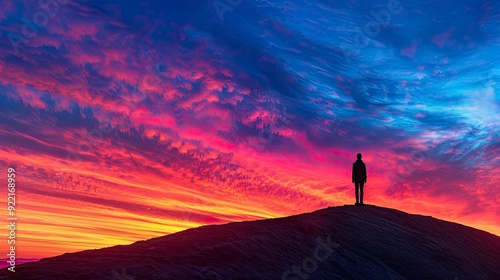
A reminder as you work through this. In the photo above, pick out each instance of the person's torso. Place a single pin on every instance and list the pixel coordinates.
(359, 168)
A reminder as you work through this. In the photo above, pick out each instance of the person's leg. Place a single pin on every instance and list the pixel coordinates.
(361, 185)
(356, 186)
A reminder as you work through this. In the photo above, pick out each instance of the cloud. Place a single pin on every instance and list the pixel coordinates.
(122, 104)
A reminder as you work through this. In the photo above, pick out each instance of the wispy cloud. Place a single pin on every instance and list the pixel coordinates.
(256, 116)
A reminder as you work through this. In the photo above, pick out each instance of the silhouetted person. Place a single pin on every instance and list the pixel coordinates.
(359, 178)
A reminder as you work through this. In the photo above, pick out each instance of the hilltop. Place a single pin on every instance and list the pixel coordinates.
(346, 242)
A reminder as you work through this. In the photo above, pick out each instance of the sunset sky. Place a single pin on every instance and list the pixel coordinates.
(127, 120)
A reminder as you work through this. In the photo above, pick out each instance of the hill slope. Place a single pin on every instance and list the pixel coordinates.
(348, 242)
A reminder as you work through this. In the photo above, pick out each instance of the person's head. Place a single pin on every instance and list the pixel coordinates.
(359, 155)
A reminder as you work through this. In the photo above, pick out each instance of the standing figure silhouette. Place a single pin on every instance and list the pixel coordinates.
(359, 178)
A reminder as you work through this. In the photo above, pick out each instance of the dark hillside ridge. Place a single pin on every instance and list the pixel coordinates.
(347, 242)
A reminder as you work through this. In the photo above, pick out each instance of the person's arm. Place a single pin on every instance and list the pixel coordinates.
(366, 176)
(353, 172)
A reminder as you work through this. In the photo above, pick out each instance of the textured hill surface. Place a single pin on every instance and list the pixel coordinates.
(348, 242)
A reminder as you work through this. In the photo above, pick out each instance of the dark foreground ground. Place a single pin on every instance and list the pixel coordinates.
(348, 242)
